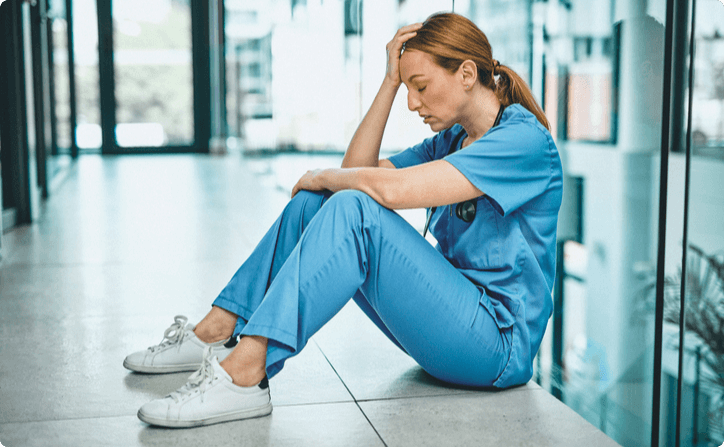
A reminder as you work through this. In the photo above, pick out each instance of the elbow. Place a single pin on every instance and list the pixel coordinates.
(378, 184)
(389, 197)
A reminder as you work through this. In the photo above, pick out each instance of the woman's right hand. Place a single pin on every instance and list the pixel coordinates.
(394, 48)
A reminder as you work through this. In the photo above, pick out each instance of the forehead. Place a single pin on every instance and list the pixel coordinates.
(415, 62)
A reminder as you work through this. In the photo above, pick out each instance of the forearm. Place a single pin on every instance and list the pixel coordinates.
(429, 184)
(372, 181)
(364, 149)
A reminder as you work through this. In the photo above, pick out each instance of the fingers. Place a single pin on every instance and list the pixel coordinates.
(409, 28)
(404, 34)
(394, 47)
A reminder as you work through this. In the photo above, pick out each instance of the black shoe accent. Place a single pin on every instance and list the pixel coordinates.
(233, 341)
(264, 384)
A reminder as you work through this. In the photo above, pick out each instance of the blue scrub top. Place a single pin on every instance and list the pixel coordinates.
(509, 249)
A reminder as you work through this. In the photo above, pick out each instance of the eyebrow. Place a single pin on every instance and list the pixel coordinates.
(413, 77)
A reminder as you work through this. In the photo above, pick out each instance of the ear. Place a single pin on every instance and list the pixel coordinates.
(468, 72)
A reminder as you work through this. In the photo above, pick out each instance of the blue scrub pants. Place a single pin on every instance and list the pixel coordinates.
(315, 258)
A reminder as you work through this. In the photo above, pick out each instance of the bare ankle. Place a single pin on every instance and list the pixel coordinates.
(207, 336)
(216, 326)
(244, 377)
(247, 362)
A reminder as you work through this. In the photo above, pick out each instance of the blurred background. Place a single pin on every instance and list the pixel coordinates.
(634, 91)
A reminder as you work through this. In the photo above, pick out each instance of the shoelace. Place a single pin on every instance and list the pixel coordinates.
(198, 381)
(174, 335)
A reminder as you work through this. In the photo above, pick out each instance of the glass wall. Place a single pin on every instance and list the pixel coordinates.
(599, 69)
(699, 191)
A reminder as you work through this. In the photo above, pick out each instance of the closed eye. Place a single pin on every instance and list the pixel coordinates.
(421, 89)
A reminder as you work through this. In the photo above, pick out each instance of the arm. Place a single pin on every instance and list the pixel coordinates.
(430, 184)
(364, 149)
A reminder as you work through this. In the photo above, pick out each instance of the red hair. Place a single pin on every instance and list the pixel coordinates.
(452, 39)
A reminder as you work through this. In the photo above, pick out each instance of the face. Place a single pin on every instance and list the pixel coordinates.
(434, 93)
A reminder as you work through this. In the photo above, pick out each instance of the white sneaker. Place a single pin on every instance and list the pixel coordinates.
(209, 397)
(180, 350)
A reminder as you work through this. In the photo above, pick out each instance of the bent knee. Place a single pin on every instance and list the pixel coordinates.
(352, 198)
(306, 204)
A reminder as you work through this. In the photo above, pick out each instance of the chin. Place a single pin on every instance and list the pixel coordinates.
(437, 127)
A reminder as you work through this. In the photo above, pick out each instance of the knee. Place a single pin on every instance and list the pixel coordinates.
(353, 206)
(305, 204)
(305, 196)
(352, 199)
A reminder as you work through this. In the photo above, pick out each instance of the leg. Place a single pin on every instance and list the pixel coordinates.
(246, 289)
(429, 307)
(183, 345)
(352, 244)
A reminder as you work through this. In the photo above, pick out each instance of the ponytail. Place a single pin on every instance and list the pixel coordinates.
(511, 88)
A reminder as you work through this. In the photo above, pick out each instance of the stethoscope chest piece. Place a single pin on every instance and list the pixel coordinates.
(465, 211)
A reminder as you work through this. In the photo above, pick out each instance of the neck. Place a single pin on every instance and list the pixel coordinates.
(480, 113)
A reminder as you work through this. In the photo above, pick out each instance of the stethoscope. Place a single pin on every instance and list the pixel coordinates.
(466, 210)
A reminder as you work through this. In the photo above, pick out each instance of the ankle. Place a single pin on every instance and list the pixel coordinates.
(216, 326)
(208, 335)
(244, 377)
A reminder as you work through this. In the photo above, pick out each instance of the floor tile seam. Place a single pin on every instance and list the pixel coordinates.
(310, 404)
(334, 370)
(369, 421)
(123, 415)
(350, 393)
(65, 419)
(455, 393)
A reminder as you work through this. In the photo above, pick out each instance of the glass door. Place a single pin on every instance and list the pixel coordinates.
(152, 61)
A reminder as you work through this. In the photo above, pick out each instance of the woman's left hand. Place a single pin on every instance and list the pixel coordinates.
(311, 181)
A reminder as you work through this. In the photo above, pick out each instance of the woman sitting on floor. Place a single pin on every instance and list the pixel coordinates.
(471, 311)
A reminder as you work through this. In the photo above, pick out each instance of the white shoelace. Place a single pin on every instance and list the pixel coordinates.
(198, 381)
(174, 335)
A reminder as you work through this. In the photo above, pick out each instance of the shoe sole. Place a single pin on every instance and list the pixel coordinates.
(236, 416)
(161, 369)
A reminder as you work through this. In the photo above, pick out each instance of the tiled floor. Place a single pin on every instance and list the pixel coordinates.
(126, 243)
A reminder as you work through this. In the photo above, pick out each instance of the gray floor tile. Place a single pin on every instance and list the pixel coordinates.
(308, 378)
(72, 368)
(484, 418)
(132, 209)
(54, 293)
(334, 425)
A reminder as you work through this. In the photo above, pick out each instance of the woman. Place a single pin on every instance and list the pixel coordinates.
(471, 311)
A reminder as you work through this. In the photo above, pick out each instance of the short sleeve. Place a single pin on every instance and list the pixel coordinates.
(511, 164)
(433, 148)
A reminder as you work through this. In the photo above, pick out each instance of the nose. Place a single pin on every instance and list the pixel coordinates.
(413, 102)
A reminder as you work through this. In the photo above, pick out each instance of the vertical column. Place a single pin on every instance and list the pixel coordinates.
(201, 73)
(71, 79)
(106, 75)
(16, 190)
(217, 48)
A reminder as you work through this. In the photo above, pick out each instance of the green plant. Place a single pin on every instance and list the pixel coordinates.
(704, 316)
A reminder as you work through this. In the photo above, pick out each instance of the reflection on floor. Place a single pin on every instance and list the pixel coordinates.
(126, 243)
